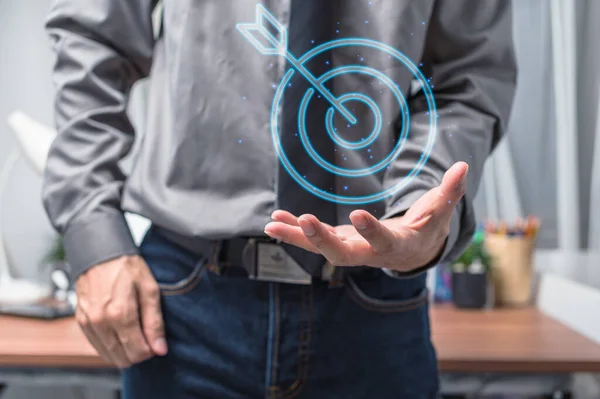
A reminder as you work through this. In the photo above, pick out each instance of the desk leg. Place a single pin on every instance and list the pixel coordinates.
(2, 388)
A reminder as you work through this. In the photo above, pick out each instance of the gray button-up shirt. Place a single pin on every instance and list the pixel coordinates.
(207, 166)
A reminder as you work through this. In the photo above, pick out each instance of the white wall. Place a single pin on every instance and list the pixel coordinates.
(532, 136)
(24, 84)
(588, 86)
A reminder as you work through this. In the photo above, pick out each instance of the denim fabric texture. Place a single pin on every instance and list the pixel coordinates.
(234, 338)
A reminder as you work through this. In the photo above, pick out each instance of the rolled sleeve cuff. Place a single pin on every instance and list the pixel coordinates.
(96, 240)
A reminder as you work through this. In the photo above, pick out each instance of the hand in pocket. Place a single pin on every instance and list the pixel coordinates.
(119, 311)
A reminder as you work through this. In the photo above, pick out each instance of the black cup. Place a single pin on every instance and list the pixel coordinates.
(470, 290)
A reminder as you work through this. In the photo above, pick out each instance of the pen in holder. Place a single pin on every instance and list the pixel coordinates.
(511, 251)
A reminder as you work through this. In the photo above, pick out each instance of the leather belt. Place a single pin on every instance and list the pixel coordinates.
(262, 258)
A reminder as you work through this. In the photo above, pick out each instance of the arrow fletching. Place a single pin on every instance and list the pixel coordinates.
(260, 33)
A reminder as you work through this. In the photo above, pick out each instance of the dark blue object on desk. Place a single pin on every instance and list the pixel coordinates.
(470, 290)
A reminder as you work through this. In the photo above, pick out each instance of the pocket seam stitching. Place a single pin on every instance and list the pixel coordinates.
(376, 305)
(186, 284)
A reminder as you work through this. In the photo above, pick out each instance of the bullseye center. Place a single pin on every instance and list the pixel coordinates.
(365, 141)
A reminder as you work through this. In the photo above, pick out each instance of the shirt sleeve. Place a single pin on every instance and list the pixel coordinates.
(469, 56)
(102, 48)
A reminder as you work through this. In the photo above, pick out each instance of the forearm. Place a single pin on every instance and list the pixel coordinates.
(473, 77)
(102, 47)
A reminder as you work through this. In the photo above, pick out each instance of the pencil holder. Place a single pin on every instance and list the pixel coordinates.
(512, 268)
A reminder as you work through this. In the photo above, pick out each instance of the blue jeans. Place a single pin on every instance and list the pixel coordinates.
(230, 337)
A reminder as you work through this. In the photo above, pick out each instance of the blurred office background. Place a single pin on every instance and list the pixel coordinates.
(527, 175)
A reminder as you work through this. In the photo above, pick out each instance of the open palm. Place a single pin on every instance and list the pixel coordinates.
(401, 243)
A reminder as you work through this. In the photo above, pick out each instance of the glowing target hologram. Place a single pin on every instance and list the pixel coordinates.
(271, 45)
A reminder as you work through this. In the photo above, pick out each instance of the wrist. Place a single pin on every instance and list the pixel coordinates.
(421, 268)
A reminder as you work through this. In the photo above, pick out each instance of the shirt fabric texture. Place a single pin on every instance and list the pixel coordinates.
(207, 166)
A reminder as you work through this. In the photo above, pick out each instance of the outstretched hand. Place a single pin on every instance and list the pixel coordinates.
(402, 243)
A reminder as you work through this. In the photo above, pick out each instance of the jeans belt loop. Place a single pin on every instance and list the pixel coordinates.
(249, 258)
(214, 263)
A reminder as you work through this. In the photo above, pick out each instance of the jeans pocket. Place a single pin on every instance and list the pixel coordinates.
(383, 302)
(186, 283)
(176, 270)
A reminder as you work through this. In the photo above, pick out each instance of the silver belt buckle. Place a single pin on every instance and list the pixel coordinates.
(272, 263)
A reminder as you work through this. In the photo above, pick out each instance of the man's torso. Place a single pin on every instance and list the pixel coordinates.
(209, 139)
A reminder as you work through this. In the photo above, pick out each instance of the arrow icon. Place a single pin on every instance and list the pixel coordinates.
(279, 46)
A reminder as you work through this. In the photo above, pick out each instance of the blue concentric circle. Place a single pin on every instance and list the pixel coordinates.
(405, 114)
(355, 145)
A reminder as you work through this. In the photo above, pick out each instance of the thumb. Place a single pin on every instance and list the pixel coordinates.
(151, 314)
(438, 203)
(451, 190)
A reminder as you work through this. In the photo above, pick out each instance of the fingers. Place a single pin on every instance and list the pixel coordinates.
(118, 344)
(453, 187)
(381, 238)
(125, 322)
(284, 217)
(86, 327)
(151, 314)
(109, 311)
(289, 234)
(327, 243)
(436, 206)
(288, 218)
(118, 329)
(312, 235)
(103, 338)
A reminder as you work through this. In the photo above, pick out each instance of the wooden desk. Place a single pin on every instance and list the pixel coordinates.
(40, 343)
(521, 341)
(509, 340)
